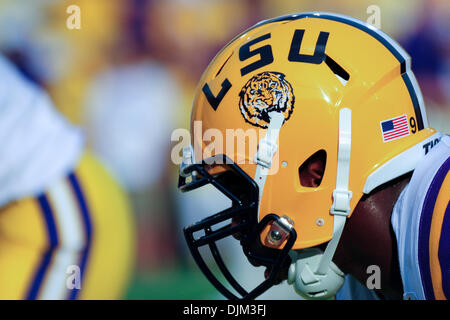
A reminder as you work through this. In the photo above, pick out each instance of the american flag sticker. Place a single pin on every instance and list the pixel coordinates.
(395, 128)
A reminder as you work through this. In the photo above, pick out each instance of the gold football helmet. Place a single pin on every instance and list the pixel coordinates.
(284, 90)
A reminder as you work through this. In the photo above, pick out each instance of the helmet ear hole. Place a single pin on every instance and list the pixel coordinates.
(311, 171)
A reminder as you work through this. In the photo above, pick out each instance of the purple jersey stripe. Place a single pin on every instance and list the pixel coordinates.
(424, 229)
(86, 217)
(444, 253)
(46, 259)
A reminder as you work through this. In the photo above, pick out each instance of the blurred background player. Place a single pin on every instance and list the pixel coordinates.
(62, 214)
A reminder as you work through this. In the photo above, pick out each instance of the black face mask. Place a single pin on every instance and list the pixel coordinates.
(236, 185)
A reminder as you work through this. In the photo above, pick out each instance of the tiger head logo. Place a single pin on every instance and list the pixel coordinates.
(265, 93)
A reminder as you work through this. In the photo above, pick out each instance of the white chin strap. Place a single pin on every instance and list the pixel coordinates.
(266, 150)
(312, 272)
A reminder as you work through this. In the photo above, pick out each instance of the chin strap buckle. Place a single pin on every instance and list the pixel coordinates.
(266, 150)
(268, 145)
(341, 202)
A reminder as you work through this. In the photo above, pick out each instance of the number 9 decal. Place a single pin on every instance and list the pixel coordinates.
(412, 123)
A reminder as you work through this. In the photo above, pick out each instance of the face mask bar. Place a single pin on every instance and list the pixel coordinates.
(243, 192)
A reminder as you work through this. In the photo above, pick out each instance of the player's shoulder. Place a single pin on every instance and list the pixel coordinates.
(435, 178)
(433, 168)
(438, 187)
(421, 223)
(427, 180)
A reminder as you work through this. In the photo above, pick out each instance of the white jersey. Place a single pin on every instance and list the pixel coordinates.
(37, 145)
(421, 223)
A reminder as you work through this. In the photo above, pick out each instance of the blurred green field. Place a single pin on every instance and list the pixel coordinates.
(172, 284)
